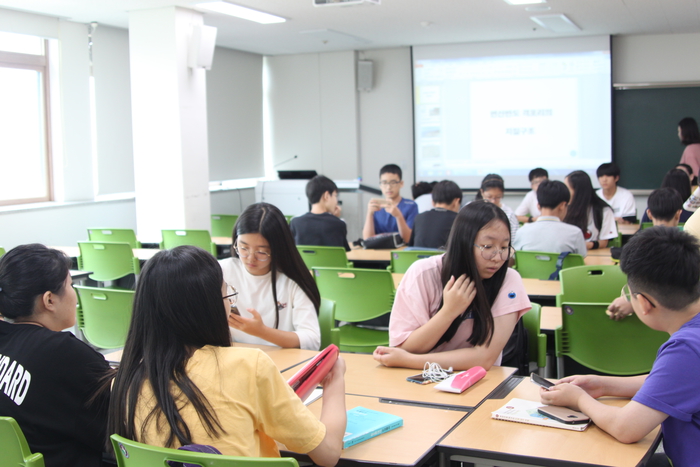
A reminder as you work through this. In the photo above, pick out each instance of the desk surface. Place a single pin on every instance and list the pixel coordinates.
(598, 260)
(365, 377)
(360, 254)
(628, 229)
(406, 445)
(223, 241)
(284, 359)
(599, 252)
(550, 319)
(141, 253)
(481, 436)
(538, 287)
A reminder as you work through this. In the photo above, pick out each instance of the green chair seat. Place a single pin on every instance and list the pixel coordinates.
(200, 238)
(132, 454)
(324, 256)
(541, 264)
(222, 224)
(114, 235)
(104, 315)
(108, 261)
(401, 260)
(14, 450)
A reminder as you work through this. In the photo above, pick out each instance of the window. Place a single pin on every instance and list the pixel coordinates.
(24, 143)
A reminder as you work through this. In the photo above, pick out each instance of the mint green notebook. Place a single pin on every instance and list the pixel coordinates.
(364, 424)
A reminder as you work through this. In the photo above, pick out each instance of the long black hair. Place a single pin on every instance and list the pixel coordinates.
(27, 272)
(583, 199)
(178, 308)
(490, 181)
(689, 131)
(679, 181)
(459, 259)
(268, 221)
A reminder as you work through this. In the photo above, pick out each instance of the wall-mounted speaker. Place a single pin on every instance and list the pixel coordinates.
(365, 77)
(202, 43)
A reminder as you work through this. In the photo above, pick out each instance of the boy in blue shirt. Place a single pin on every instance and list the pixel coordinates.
(396, 214)
(663, 284)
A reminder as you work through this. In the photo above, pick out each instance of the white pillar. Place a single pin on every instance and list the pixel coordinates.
(168, 101)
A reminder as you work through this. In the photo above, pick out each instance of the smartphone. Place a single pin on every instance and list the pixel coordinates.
(380, 201)
(418, 379)
(540, 381)
(234, 310)
(564, 414)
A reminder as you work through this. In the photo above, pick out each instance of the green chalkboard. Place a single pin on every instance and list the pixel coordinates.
(645, 131)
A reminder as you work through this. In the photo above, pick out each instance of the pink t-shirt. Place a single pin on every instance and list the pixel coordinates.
(418, 299)
(691, 156)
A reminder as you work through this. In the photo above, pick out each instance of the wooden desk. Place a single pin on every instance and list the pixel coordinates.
(410, 444)
(628, 229)
(222, 241)
(550, 319)
(366, 377)
(360, 254)
(598, 260)
(481, 439)
(541, 288)
(141, 253)
(599, 252)
(284, 359)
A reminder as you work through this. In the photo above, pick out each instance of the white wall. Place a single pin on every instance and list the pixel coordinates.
(656, 58)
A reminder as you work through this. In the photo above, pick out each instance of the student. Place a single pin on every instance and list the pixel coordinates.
(180, 381)
(664, 209)
(277, 297)
(432, 228)
(549, 233)
(397, 214)
(588, 212)
(492, 190)
(528, 211)
(48, 378)
(322, 225)
(689, 135)
(459, 309)
(620, 199)
(663, 285)
(676, 179)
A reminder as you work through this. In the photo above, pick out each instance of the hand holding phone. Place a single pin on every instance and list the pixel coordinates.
(540, 381)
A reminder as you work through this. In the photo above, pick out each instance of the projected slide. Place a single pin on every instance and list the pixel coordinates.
(510, 113)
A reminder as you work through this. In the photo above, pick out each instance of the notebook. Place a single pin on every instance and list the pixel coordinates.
(305, 380)
(522, 411)
(364, 424)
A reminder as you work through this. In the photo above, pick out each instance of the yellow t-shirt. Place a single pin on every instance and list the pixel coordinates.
(252, 401)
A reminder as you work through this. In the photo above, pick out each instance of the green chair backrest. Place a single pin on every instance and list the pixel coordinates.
(540, 264)
(591, 338)
(222, 224)
(14, 450)
(200, 238)
(617, 241)
(108, 261)
(537, 341)
(289, 218)
(401, 259)
(330, 334)
(359, 294)
(591, 284)
(132, 454)
(324, 256)
(646, 225)
(114, 235)
(104, 315)
(2, 251)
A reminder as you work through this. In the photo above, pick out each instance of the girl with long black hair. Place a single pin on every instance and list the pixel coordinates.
(589, 212)
(459, 309)
(278, 299)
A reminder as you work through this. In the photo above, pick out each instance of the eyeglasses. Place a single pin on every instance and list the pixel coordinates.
(231, 294)
(627, 293)
(494, 199)
(489, 252)
(244, 252)
(391, 183)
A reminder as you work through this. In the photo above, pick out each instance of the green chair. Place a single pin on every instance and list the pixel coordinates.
(289, 218)
(359, 295)
(132, 454)
(324, 256)
(617, 241)
(326, 321)
(2, 251)
(588, 336)
(590, 284)
(200, 238)
(402, 259)
(537, 341)
(540, 264)
(14, 448)
(104, 315)
(107, 261)
(222, 224)
(646, 225)
(114, 235)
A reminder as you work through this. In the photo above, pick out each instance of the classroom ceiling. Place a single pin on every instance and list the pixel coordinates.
(394, 23)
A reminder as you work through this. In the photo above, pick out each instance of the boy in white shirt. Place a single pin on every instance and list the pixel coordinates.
(528, 211)
(620, 199)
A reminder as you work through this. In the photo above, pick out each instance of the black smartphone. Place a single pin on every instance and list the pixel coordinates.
(234, 310)
(418, 379)
(563, 414)
(540, 381)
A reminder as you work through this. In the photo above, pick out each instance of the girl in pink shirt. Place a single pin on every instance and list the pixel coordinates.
(460, 307)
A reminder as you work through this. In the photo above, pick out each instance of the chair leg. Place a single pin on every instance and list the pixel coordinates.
(560, 367)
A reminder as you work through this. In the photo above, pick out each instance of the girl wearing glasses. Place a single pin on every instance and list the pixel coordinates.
(460, 307)
(181, 382)
(277, 301)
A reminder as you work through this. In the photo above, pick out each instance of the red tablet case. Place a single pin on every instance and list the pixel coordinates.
(311, 374)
